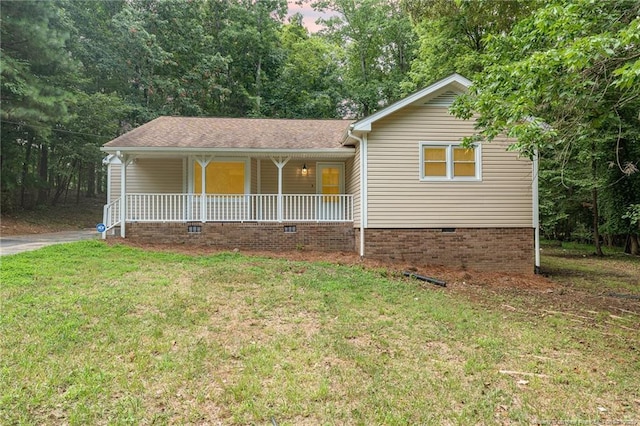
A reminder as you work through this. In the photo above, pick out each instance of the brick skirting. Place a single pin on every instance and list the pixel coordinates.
(488, 249)
(249, 236)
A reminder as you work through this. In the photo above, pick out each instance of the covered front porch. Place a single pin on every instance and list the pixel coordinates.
(222, 188)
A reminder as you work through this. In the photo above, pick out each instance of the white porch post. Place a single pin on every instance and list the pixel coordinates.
(259, 176)
(280, 163)
(204, 162)
(107, 161)
(124, 162)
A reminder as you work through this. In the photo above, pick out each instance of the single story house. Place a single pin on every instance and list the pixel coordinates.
(394, 185)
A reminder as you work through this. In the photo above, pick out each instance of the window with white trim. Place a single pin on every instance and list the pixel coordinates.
(441, 161)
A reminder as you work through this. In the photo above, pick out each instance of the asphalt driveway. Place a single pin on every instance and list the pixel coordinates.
(12, 244)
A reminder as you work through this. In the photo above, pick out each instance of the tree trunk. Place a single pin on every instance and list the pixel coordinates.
(78, 183)
(99, 180)
(25, 172)
(594, 195)
(43, 174)
(609, 239)
(635, 244)
(91, 180)
(596, 219)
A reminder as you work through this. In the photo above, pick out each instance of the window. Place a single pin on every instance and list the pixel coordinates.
(221, 177)
(444, 162)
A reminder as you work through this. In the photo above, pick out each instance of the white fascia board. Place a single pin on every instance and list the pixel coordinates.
(345, 153)
(364, 125)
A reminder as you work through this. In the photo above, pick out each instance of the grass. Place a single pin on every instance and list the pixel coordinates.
(576, 266)
(100, 334)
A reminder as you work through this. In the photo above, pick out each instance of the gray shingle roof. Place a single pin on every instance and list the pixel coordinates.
(244, 133)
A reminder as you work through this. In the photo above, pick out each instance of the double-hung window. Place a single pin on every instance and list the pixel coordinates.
(441, 161)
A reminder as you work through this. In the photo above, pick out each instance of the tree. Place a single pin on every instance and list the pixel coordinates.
(379, 43)
(453, 34)
(37, 76)
(250, 38)
(564, 82)
(308, 84)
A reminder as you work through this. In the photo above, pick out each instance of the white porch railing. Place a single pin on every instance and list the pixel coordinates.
(111, 214)
(237, 208)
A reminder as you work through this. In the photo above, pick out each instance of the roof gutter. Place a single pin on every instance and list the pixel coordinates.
(343, 152)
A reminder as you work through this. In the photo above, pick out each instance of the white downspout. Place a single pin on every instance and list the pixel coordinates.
(536, 213)
(363, 205)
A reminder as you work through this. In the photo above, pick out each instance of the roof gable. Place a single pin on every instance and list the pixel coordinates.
(440, 93)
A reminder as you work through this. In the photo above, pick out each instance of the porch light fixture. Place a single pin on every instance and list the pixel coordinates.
(304, 169)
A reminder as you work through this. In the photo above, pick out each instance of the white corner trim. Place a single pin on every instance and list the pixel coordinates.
(536, 211)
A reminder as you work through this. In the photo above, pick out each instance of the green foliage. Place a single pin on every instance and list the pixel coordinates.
(309, 84)
(560, 82)
(453, 34)
(33, 55)
(38, 78)
(557, 67)
(633, 214)
(379, 43)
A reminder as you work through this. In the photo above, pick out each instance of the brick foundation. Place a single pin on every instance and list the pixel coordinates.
(488, 249)
(249, 236)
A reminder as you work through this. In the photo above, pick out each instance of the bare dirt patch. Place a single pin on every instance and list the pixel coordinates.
(453, 277)
(67, 217)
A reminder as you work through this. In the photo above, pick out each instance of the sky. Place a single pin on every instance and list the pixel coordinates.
(309, 16)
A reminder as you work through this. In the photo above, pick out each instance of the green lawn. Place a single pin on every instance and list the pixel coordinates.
(93, 333)
(575, 266)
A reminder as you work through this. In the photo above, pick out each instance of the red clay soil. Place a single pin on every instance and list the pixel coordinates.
(453, 277)
(10, 225)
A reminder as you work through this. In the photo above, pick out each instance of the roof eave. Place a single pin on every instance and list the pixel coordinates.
(343, 152)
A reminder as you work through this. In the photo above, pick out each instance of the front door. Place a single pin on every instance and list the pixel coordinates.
(330, 184)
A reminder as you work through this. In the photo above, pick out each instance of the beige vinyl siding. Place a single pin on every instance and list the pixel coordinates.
(254, 175)
(292, 180)
(150, 176)
(114, 184)
(398, 199)
(352, 184)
